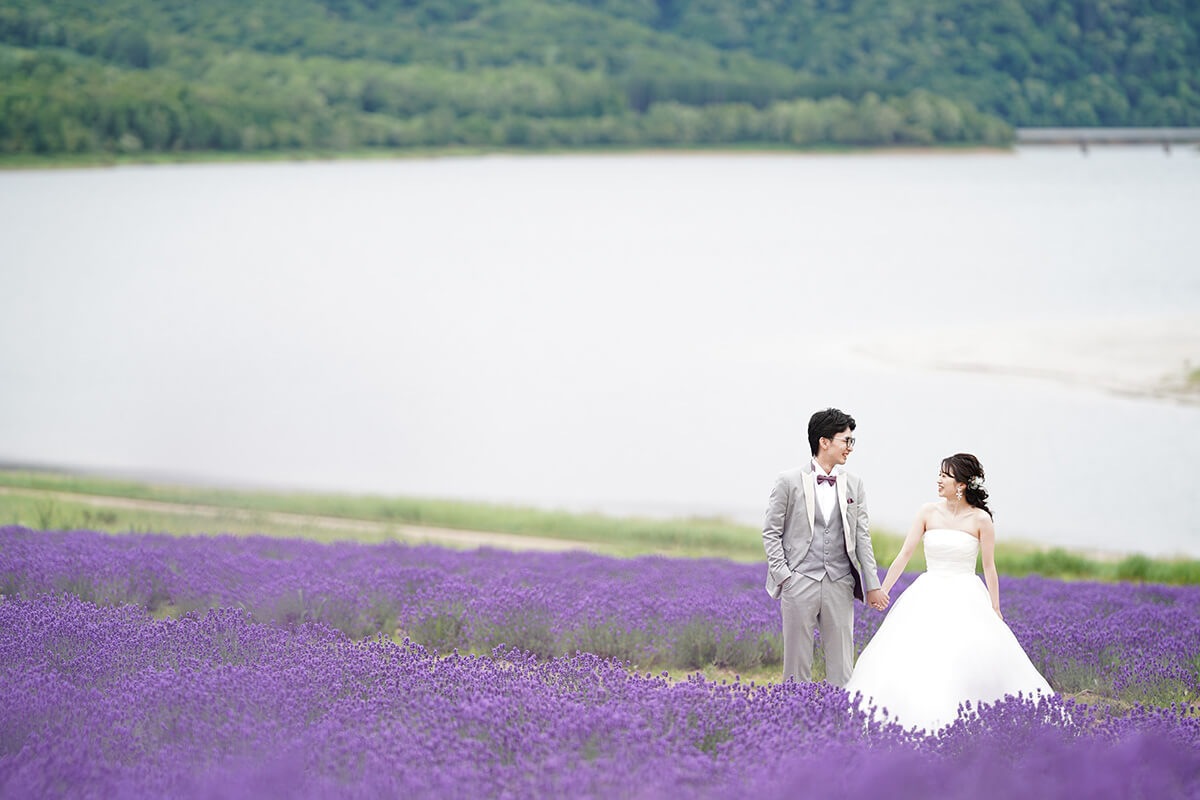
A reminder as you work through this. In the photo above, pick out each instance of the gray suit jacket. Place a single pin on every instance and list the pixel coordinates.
(788, 529)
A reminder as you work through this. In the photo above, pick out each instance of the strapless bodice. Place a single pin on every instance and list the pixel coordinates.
(948, 551)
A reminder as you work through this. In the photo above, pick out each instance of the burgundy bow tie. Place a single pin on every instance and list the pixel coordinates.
(830, 479)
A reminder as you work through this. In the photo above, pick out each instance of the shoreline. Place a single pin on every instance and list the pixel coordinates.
(29, 162)
(19, 162)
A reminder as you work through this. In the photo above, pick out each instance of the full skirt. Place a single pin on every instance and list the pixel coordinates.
(941, 645)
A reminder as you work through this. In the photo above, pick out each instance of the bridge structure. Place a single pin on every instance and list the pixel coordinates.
(1083, 138)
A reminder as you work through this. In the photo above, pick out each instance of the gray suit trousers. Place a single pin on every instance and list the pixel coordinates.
(828, 604)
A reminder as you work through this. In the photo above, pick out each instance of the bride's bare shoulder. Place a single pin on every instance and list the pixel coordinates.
(980, 517)
(927, 509)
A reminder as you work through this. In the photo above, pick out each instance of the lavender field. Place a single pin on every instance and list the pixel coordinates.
(147, 665)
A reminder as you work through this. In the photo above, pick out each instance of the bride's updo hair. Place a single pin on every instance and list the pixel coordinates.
(965, 468)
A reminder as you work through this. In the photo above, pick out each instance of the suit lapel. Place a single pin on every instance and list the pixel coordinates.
(809, 481)
(841, 496)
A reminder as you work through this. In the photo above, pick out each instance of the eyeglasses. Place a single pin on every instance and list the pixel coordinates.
(849, 440)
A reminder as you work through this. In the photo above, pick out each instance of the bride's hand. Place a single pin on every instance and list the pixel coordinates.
(877, 599)
(998, 614)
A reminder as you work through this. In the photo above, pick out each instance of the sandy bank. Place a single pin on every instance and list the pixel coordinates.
(1146, 356)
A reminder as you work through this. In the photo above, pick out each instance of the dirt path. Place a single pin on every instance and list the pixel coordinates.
(411, 533)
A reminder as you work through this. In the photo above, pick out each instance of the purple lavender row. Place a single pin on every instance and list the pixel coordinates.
(104, 701)
(1137, 642)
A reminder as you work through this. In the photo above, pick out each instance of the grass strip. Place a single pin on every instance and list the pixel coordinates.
(249, 513)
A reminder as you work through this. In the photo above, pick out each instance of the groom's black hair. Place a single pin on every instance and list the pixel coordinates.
(826, 425)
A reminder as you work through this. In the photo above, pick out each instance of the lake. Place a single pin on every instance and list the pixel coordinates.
(626, 333)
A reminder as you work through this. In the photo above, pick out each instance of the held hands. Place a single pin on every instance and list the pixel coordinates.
(878, 599)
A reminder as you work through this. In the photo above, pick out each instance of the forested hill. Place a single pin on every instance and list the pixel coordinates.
(169, 75)
(1032, 62)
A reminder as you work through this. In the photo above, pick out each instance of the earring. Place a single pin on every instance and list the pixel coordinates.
(960, 493)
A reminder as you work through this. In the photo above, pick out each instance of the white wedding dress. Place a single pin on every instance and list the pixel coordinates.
(941, 644)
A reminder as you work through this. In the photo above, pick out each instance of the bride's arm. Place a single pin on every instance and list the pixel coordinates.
(906, 552)
(987, 545)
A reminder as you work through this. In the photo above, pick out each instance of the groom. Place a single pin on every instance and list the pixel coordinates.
(819, 554)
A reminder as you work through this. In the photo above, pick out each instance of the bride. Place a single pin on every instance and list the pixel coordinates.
(945, 642)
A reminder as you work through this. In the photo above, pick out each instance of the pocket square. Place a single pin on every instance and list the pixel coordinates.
(849, 500)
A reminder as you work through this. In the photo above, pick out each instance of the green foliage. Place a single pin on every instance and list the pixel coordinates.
(712, 739)
(1056, 562)
(1028, 62)
(52, 104)
(80, 77)
(616, 639)
(531, 633)
(1031, 62)
(443, 630)
(1141, 568)
(1134, 568)
(699, 645)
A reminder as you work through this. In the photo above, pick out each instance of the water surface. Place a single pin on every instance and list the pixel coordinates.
(634, 334)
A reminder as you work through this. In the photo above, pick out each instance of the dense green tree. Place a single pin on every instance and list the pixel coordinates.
(167, 75)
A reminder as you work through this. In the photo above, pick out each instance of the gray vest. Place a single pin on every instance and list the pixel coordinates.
(827, 551)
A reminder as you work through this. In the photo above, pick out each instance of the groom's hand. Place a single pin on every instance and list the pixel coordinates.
(877, 600)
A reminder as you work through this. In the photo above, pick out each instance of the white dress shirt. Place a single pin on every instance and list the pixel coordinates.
(826, 494)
